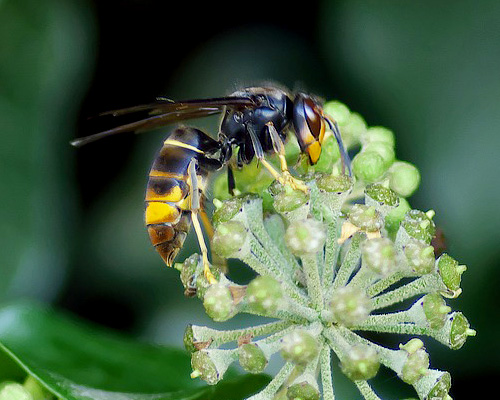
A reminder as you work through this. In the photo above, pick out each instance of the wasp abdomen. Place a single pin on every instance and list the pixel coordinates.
(168, 202)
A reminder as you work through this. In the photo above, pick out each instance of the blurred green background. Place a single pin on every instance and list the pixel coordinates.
(71, 223)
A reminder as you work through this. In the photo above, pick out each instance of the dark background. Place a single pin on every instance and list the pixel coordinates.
(71, 223)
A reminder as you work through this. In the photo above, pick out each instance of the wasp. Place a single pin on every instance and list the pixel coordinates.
(255, 122)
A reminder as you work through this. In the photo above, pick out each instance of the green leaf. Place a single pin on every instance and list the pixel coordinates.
(76, 361)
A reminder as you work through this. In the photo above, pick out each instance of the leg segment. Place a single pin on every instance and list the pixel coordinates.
(195, 210)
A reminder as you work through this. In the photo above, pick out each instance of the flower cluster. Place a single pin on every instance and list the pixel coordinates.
(328, 263)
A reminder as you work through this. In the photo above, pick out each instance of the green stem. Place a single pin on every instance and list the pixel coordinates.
(350, 262)
(272, 388)
(326, 373)
(311, 271)
(366, 390)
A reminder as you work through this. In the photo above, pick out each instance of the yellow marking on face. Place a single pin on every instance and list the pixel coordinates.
(158, 213)
(174, 195)
(314, 151)
(174, 142)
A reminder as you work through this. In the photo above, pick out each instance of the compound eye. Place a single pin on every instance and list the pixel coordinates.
(314, 120)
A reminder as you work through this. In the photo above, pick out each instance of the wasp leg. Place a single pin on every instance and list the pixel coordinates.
(279, 148)
(231, 184)
(346, 161)
(195, 210)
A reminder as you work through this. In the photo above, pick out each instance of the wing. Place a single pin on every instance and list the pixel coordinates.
(163, 112)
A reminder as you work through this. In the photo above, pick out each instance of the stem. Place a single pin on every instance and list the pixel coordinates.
(310, 268)
(332, 249)
(384, 283)
(366, 390)
(350, 262)
(205, 334)
(273, 386)
(326, 373)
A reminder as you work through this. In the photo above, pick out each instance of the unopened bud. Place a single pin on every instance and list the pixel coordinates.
(229, 239)
(287, 199)
(350, 306)
(305, 237)
(264, 295)
(450, 272)
(218, 302)
(379, 134)
(383, 150)
(227, 210)
(14, 391)
(252, 359)
(379, 255)
(417, 362)
(299, 347)
(435, 310)
(420, 257)
(419, 226)
(369, 166)
(302, 391)
(366, 218)
(361, 362)
(404, 178)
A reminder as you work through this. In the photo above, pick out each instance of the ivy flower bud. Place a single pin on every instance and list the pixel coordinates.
(420, 257)
(305, 237)
(435, 310)
(395, 216)
(419, 226)
(264, 295)
(334, 183)
(384, 150)
(361, 362)
(14, 391)
(353, 129)
(366, 218)
(460, 330)
(229, 239)
(450, 272)
(350, 306)
(302, 391)
(252, 359)
(287, 199)
(379, 134)
(299, 347)
(379, 255)
(417, 362)
(209, 366)
(369, 166)
(404, 178)
(381, 196)
(218, 302)
(434, 385)
(227, 210)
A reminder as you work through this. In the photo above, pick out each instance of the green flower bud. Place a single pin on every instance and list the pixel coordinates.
(460, 330)
(353, 129)
(264, 295)
(307, 236)
(36, 390)
(334, 183)
(379, 134)
(338, 111)
(417, 362)
(404, 178)
(227, 210)
(299, 347)
(435, 385)
(450, 272)
(229, 239)
(189, 339)
(418, 225)
(384, 150)
(435, 310)
(252, 358)
(188, 270)
(218, 302)
(365, 217)
(361, 362)
(14, 391)
(204, 367)
(350, 306)
(379, 255)
(395, 216)
(369, 166)
(302, 391)
(420, 257)
(382, 195)
(287, 199)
